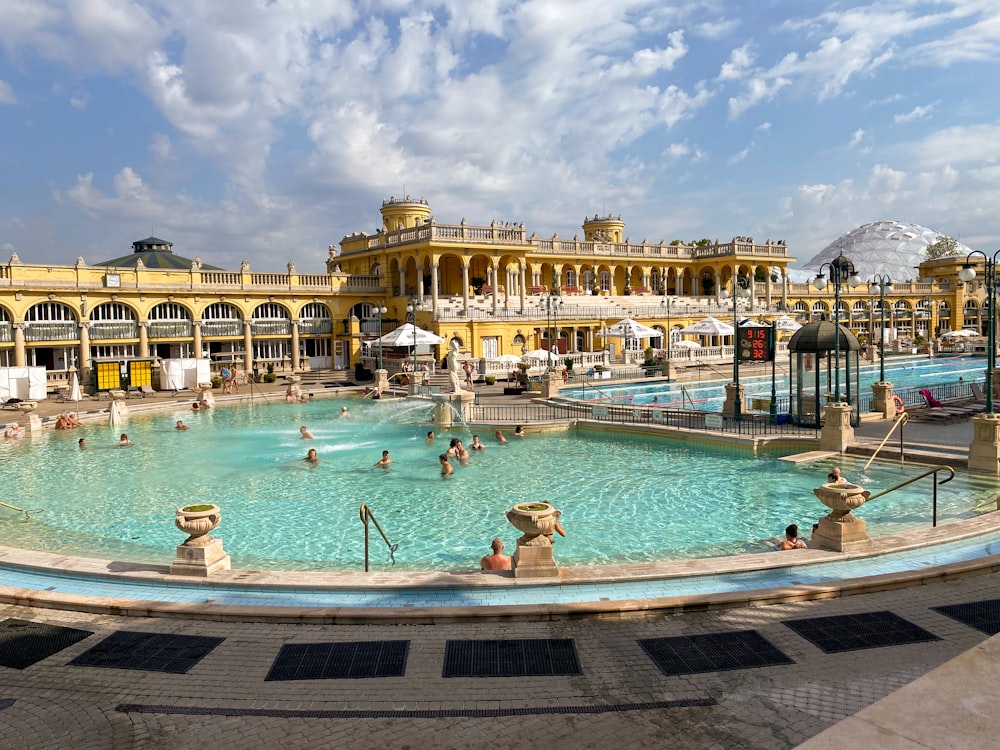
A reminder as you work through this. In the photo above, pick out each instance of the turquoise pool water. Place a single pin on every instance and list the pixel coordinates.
(709, 394)
(624, 498)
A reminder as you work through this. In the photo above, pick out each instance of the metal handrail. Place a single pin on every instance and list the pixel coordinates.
(934, 471)
(900, 420)
(27, 514)
(366, 514)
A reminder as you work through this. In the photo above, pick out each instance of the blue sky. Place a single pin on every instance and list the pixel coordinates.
(268, 130)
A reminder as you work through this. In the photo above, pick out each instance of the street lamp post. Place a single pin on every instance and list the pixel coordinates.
(741, 290)
(666, 301)
(414, 306)
(883, 284)
(841, 272)
(968, 273)
(552, 303)
(380, 310)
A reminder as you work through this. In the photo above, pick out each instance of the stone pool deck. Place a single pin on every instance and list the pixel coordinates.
(934, 691)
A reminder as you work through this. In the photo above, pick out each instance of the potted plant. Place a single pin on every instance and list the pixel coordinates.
(216, 381)
(490, 379)
(197, 520)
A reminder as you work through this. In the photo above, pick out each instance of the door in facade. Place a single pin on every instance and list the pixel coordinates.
(341, 355)
(490, 347)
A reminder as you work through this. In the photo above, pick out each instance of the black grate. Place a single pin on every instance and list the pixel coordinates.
(151, 652)
(333, 661)
(854, 632)
(714, 652)
(984, 615)
(23, 643)
(521, 658)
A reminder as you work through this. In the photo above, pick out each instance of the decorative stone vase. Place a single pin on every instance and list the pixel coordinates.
(536, 521)
(197, 521)
(841, 499)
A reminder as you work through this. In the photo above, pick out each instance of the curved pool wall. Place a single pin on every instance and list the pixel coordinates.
(709, 394)
(625, 498)
(98, 586)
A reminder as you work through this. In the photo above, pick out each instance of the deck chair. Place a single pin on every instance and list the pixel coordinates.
(977, 392)
(10, 403)
(929, 398)
(146, 390)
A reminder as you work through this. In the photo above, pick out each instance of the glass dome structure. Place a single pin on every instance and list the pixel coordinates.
(883, 247)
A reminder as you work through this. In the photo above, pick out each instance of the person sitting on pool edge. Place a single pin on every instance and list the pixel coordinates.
(498, 560)
(792, 540)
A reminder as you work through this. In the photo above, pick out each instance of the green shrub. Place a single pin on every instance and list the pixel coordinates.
(490, 379)
(270, 377)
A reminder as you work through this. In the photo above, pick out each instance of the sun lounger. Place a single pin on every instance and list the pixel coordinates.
(10, 403)
(146, 390)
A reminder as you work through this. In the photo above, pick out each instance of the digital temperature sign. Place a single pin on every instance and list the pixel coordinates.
(754, 343)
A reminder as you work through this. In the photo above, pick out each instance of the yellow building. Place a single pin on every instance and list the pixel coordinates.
(494, 288)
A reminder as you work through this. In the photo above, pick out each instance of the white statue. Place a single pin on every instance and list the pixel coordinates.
(456, 381)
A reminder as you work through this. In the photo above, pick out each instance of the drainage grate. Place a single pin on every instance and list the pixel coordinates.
(984, 615)
(23, 643)
(333, 661)
(715, 652)
(151, 652)
(521, 658)
(854, 632)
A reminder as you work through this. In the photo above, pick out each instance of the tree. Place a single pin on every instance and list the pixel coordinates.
(943, 247)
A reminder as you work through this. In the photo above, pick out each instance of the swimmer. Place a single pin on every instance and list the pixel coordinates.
(344, 413)
(181, 425)
(14, 432)
(430, 437)
(306, 435)
(834, 477)
(519, 431)
(476, 445)
(498, 560)
(500, 438)
(460, 452)
(384, 461)
(195, 406)
(312, 457)
(82, 442)
(124, 442)
(446, 468)
(792, 540)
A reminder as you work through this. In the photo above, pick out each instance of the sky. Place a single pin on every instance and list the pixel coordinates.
(270, 129)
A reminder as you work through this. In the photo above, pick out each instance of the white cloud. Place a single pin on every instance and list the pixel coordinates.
(917, 113)
(7, 95)
(856, 137)
(740, 61)
(738, 157)
(79, 101)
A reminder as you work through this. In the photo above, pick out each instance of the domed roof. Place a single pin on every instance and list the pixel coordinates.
(819, 337)
(883, 247)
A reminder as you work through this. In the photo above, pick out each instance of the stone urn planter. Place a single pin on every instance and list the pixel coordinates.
(197, 521)
(200, 554)
(536, 521)
(840, 529)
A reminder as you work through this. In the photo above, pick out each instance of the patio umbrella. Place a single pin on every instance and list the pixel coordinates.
(508, 359)
(684, 344)
(960, 334)
(787, 324)
(114, 414)
(408, 335)
(542, 354)
(709, 327)
(628, 329)
(74, 390)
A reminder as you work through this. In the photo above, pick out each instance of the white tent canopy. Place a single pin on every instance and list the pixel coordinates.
(629, 329)
(960, 334)
(409, 335)
(787, 324)
(709, 327)
(684, 344)
(179, 374)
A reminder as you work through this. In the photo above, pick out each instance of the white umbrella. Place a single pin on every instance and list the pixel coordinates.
(629, 329)
(74, 390)
(408, 335)
(684, 344)
(115, 415)
(709, 327)
(507, 359)
(787, 324)
(542, 354)
(961, 333)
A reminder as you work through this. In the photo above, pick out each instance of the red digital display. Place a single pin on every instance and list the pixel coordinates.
(754, 344)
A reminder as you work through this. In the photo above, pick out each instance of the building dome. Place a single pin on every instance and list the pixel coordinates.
(883, 247)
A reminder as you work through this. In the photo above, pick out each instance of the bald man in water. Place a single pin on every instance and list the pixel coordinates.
(498, 560)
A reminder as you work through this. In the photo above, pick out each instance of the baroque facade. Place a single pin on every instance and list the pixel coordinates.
(494, 288)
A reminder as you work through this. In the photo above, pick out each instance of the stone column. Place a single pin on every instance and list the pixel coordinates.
(524, 288)
(551, 381)
(143, 338)
(434, 287)
(196, 330)
(420, 283)
(465, 286)
(295, 345)
(493, 282)
(84, 352)
(20, 355)
(837, 432)
(984, 450)
(248, 345)
(402, 280)
(883, 399)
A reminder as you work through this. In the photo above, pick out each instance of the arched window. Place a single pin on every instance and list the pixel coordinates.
(168, 320)
(799, 307)
(271, 319)
(50, 321)
(221, 319)
(113, 320)
(315, 319)
(6, 331)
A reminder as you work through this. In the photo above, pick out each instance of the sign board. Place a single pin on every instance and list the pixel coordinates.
(755, 344)
(713, 421)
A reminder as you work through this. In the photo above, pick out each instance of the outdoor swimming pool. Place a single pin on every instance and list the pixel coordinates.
(625, 498)
(709, 394)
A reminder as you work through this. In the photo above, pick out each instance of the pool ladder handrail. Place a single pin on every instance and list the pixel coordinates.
(934, 471)
(900, 420)
(27, 514)
(366, 515)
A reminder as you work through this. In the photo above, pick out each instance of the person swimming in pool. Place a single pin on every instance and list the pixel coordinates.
(312, 457)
